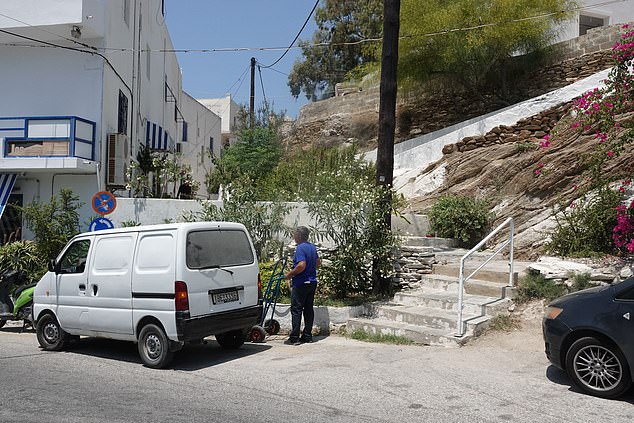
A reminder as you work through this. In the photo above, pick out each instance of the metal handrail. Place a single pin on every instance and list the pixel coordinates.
(508, 222)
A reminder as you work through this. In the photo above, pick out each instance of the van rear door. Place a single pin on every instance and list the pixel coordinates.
(221, 270)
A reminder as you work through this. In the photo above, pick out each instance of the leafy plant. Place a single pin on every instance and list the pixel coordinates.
(581, 281)
(586, 228)
(352, 219)
(536, 286)
(503, 323)
(53, 223)
(460, 217)
(22, 255)
(130, 223)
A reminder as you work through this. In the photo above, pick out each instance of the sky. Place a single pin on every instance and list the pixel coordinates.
(220, 24)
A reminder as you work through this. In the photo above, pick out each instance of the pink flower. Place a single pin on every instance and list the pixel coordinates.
(575, 125)
(538, 171)
(610, 154)
(544, 144)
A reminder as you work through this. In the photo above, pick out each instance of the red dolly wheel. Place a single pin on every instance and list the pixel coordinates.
(257, 334)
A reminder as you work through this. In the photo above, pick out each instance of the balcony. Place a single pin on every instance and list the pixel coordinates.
(47, 143)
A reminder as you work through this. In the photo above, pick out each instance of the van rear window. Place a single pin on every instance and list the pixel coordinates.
(211, 248)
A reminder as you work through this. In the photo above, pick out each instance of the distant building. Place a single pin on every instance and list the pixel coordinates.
(596, 13)
(228, 110)
(84, 84)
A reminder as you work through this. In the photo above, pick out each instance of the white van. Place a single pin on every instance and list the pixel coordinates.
(158, 285)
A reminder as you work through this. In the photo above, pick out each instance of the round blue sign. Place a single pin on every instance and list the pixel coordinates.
(100, 224)
(104, 203)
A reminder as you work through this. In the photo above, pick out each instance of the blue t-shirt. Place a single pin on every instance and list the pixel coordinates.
(308, 253)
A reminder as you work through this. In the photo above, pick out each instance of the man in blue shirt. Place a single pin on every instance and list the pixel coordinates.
(304, 277)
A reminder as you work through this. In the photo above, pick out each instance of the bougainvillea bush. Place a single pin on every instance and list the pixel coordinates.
(607, 114)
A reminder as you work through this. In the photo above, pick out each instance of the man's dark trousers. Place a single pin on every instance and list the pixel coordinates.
(302, 298)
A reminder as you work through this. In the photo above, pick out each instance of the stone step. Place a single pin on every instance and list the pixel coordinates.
(426, 241)
(492, 272)
(421, 316)
(449, 301)
(417, 334)
(472, 286)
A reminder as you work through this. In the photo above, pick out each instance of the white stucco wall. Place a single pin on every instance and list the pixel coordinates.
(612, 12)
(224, 107)
(202, 125)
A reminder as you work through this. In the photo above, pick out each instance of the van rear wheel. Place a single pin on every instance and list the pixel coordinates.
(49, 333)
(154, 347)
(231, 340)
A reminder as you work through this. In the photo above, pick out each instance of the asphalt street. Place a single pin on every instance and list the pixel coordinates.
(332, 380)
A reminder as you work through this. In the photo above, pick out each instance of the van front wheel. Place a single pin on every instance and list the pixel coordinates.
(49, 333)
(154, 347)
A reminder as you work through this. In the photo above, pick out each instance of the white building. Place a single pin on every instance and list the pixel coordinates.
(84, 83)
(228, 110)
(595, 13)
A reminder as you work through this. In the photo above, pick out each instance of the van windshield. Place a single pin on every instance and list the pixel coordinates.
(218, 248)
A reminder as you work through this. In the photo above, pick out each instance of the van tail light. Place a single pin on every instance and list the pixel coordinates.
(181, 297)
(259, 288)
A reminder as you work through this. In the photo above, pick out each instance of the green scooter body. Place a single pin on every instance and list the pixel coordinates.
(25, 298)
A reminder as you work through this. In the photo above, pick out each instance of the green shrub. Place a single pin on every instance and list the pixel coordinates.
(22, 255)
(580, 281)
(53, 223)
(460, 217)
(586, 229)
(503, 323)
(536, 286)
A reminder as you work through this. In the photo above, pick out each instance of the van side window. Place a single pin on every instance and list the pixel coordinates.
(221, 248)
(74, 259)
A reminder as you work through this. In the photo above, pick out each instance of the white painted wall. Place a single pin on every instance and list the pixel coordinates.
(202, 126)
(227, 109)
(40, 12)
(613, 12)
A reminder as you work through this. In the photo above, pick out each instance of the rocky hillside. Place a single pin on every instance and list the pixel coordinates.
(501, 165)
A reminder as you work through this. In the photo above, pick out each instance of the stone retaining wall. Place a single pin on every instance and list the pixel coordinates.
(352, 117)
(411, 264)
(528, 130)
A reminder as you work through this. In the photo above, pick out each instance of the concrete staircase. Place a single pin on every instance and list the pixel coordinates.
(428, 314)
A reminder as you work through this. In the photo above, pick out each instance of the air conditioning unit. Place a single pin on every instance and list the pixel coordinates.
(118, 153)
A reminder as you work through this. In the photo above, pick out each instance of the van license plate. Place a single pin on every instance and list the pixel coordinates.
(224, 297)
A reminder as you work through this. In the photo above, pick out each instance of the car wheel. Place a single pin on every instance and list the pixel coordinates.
(49, 333)
(231, 340)
(598, 368)
(2, 323)
(154, 347)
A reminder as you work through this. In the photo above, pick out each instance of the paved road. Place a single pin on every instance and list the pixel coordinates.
(332, 380)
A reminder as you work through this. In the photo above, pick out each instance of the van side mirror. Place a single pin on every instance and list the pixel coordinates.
(51, 265)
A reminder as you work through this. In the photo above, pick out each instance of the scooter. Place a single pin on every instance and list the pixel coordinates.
(16, 305)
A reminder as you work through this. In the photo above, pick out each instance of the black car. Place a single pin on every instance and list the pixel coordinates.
(590, 335)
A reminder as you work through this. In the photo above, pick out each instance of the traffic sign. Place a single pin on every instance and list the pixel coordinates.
(100, 224)
(104, 203)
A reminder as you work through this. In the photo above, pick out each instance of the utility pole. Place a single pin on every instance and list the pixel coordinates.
(252, 98)
(387, 120)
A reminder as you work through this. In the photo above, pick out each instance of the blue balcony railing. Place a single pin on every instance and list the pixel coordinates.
(49, 136)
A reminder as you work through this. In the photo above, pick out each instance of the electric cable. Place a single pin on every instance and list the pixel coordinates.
(296, 37)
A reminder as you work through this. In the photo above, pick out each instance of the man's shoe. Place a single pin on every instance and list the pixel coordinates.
(292, 341)
(304, 340)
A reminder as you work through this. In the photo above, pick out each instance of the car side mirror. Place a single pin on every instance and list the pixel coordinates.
(51, 265)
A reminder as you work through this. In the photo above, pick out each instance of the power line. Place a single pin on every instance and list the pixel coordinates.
(296, 37)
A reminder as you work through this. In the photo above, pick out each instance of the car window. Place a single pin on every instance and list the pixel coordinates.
(74, 259)
(221, 248)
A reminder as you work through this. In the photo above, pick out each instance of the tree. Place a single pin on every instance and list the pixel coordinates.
(472, 42)
(327, 60)
(53, 223)
(253, 157)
